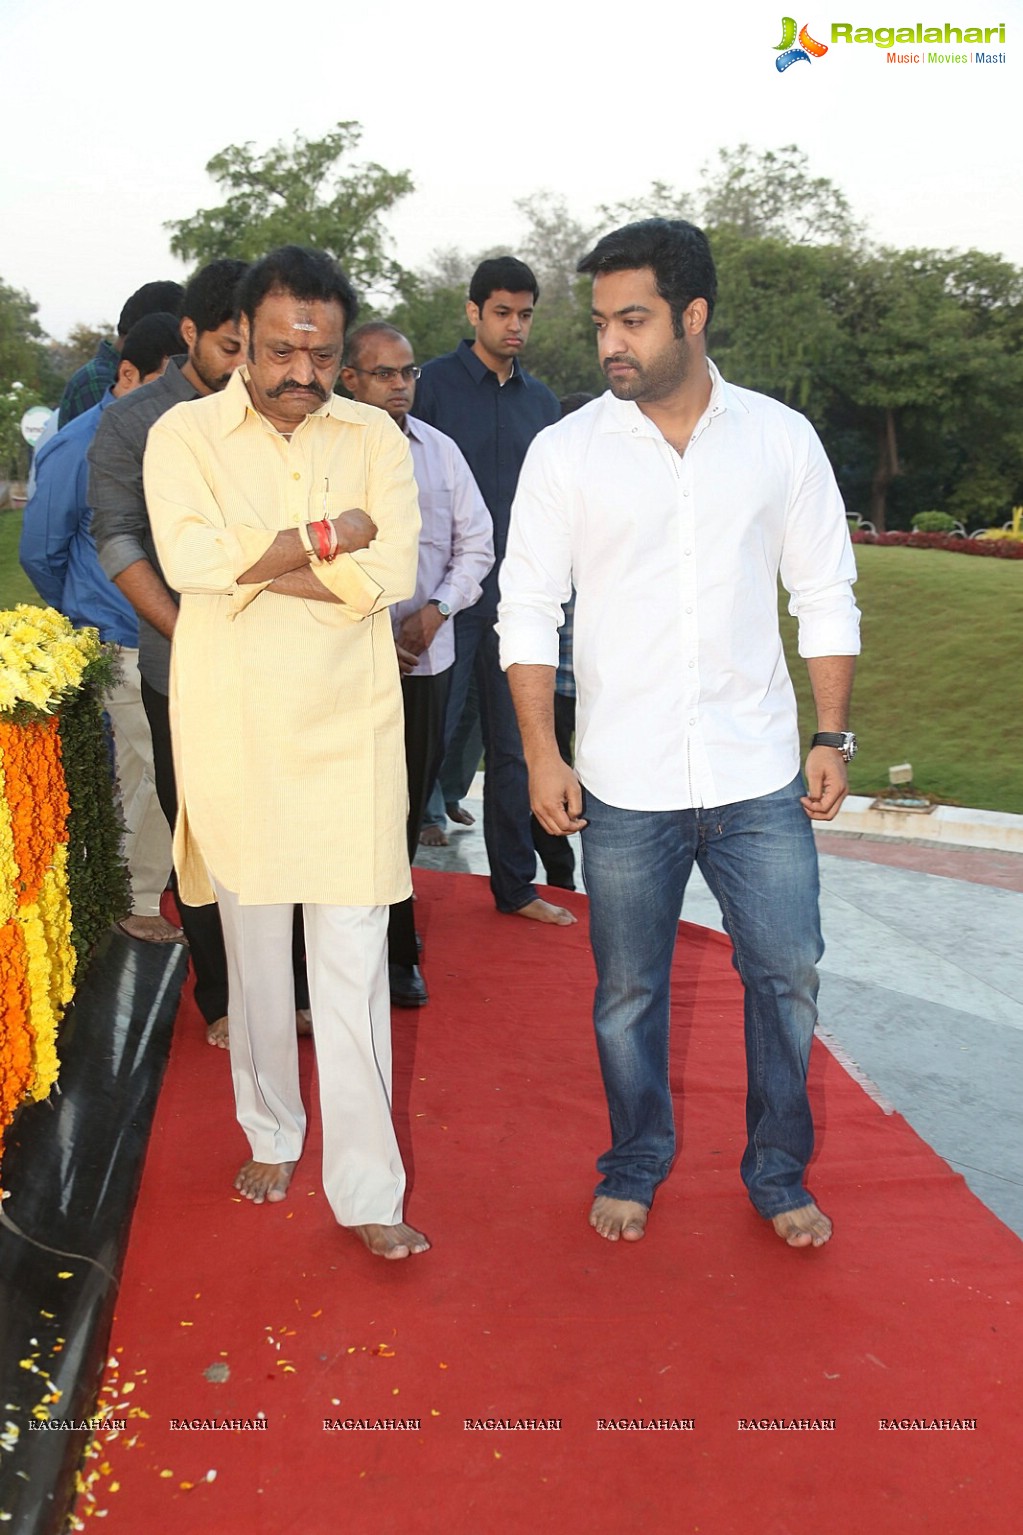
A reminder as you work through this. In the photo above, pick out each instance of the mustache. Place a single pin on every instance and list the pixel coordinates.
(290, 385)
(622, 357)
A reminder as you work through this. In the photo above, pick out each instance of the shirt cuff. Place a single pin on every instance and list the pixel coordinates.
(349, 583)
(243, 595)
(527, 639)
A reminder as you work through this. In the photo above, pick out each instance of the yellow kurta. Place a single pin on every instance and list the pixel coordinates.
(286, 714)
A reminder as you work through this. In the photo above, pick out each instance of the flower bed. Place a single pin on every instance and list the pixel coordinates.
(62, 879)
(994, 548)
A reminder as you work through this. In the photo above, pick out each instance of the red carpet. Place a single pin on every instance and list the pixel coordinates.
(522, 1312)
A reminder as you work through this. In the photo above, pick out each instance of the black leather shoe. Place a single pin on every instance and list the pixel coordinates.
(408, 989)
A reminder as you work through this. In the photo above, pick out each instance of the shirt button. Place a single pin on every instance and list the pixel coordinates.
(689, 610)
(692, 663)
(687, 551)
(296, 475)
(685, 492)
(693, 721)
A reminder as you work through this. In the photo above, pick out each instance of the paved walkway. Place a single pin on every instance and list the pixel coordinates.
(921, 988)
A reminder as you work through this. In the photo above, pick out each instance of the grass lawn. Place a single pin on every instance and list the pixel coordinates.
(938, 683)
(14, 584)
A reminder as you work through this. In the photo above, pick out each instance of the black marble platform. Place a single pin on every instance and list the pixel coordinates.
(73, 1166)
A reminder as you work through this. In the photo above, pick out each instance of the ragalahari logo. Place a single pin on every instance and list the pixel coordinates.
(787, 54)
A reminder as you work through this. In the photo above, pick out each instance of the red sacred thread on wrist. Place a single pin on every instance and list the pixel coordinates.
(321, 534)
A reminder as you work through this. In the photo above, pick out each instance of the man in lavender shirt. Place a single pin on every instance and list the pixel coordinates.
(456, 551)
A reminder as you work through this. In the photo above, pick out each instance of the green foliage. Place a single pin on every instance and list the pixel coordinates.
(756, 195)
(21, 339)
(933, 522)
(24, 373)
(775, 328)
(97, 874)
(771, 194)
(299, 193)
(66, 357)
(14, 451)
(433, 318)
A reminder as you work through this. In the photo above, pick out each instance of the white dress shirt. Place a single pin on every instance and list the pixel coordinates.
(684, 698)
(456, 545)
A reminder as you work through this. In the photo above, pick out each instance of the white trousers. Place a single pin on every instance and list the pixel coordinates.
(346, 958)
(147, 838)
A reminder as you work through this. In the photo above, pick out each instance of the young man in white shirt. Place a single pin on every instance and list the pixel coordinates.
(673, 503)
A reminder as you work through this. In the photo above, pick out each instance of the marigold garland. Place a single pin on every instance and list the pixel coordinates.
(46, 665)
(15, 1034)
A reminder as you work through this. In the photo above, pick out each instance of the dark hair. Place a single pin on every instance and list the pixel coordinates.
(151, 298)
(305, 274)
(678, 253)
(356, 339)
(501, 272)
(151, 341)
(575, 401)
(211, 295)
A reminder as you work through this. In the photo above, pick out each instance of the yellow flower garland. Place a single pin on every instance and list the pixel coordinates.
(42, 660)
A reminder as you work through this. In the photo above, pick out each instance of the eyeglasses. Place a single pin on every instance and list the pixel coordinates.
(388, 375)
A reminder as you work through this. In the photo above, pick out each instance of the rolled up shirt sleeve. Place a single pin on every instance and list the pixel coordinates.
(120, 523)
(818, 567)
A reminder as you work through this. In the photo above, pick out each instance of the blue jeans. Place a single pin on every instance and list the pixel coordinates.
(759, 859)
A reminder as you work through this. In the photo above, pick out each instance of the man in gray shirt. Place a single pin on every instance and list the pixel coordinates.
(128, 556)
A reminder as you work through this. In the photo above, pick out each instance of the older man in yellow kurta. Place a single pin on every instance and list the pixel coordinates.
(287, 519)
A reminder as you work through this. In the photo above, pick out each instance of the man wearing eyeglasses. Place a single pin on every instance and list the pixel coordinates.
(456, 551)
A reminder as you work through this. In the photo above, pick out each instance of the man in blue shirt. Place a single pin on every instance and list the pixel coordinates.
(58, 554)
(481, 396)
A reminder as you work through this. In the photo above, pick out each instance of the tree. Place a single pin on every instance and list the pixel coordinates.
(774, 328)
(771, 194)
(21, 338)
(299, 193)
(25, 376)
(766, 194)
(928, 372)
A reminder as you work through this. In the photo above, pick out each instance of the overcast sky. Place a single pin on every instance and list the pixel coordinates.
(113, 109)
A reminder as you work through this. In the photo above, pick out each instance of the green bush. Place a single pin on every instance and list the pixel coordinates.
(934, 522)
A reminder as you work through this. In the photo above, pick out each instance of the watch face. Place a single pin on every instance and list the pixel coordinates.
(848, 746)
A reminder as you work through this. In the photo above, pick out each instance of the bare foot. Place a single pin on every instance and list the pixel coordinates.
(619, 1218)
(543, 911)
(216, 1034)
(152, 930)
(392, 1241)
(264, 1180)
(459, 814)
(805, 1227)
(433, 836)
(303, 1021)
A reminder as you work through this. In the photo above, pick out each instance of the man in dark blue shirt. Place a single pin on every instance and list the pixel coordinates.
(482, 396)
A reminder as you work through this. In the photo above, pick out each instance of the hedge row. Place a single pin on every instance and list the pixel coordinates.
(993, 548)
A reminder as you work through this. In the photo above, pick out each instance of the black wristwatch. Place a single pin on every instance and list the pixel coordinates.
(443, 608)
(842, 740)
